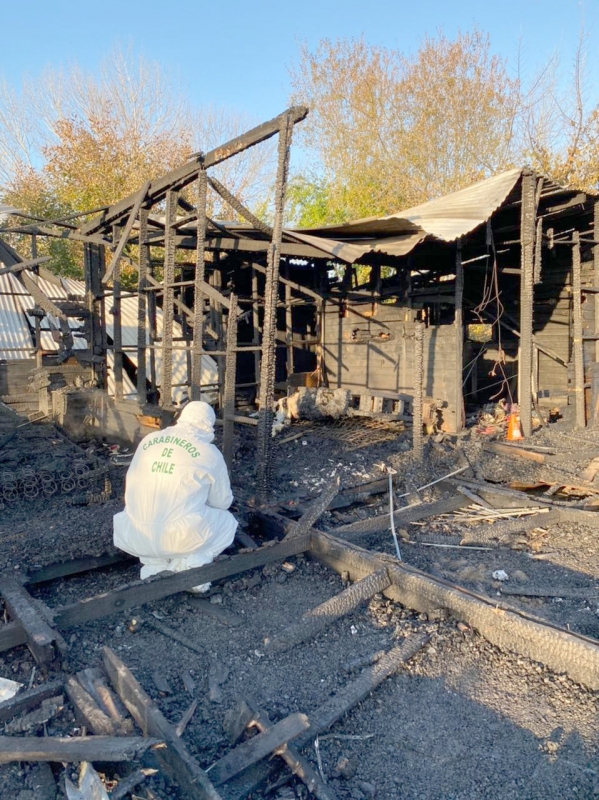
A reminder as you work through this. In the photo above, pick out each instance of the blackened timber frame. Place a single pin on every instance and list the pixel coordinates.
(527, 235)
(169, 299)
(271, 294)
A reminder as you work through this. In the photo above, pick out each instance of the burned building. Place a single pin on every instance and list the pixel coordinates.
(483, 294)
(419, 317)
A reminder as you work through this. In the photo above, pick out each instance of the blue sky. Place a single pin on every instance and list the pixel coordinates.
(237, 53)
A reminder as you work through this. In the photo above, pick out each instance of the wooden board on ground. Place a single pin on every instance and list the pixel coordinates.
(75, 749)
(257, 748)
(45, 643)
(175, 759)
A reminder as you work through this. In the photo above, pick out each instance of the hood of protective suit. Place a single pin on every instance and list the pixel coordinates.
(200, 417)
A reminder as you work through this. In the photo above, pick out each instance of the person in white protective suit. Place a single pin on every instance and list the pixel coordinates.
(176, 498)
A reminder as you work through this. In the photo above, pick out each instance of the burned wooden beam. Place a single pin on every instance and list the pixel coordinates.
(41, 299)
(94, 682)
(141, 592)
(327, 714)
(76, 566)
(175, 759)
(29, 699)
(417, 408)
(154, 589)
(255, 749)
(507, 627)
(34, 262)
(527, 236)
(299, 765)
(230, 381)
(315, 509)
(87, 710)
(45, 643)
(404, 516)
(239, 207)
(458, 323)
(186, 173)
(143, 271)
(357, 494)
(318, 619)
(124, 236)
(510, 451)
(126, 785)
(69, 750)
(577, 342)
(197, 346)
(269, 330)
(168, 301)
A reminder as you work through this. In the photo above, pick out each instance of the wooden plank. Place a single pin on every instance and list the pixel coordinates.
(75, 567)
(174, 758)
(30, 699)
(257, 748)
(315, 509)
(87, 711)
(187, 172)
(141, 592)
(45, 643)
(320, 618)
(404, 516)
(299, 765)
(510, 451)
(68, 750)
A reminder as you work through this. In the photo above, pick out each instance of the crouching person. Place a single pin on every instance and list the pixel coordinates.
(176, 498)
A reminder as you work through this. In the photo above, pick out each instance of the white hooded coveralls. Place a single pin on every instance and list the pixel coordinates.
(177, 495)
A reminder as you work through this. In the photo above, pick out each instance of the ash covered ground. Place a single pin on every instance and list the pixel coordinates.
(462, 720)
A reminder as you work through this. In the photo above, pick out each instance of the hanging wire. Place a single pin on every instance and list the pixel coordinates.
(492, 305)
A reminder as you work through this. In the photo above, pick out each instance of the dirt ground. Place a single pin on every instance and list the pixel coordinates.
(461, 721)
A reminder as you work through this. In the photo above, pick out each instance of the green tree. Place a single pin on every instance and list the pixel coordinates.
(392, 131)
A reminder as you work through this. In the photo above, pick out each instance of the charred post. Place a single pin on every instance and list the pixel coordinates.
(271, 296)
(527, 234)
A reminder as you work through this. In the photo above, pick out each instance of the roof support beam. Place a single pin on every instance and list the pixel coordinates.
(186, 173)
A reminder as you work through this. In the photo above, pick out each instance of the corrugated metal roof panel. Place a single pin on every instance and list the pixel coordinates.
(15, 335)
(129, 310)
(74, 287)
(446, 218)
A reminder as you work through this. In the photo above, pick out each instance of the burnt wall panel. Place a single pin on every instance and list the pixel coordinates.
(370, 348)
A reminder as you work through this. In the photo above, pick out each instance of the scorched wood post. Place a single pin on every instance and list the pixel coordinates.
(527, 235)
(577, 343)
(417, 434)
(198, 300)
(271, 296)
(93, 268)
(117, 334)
(229, 391)
(459, 338)
(169, 299)
(142, 285)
